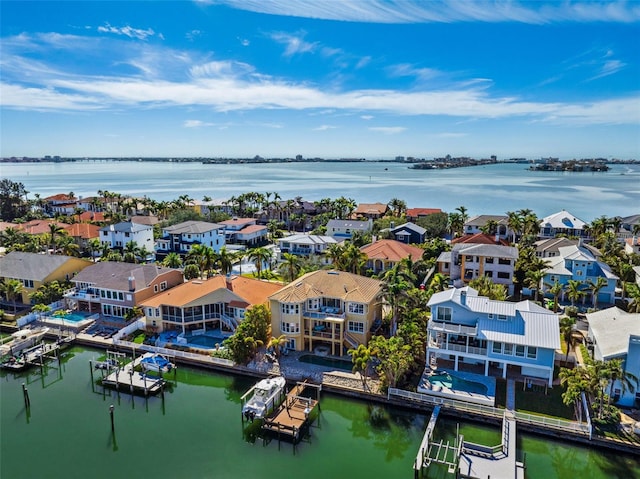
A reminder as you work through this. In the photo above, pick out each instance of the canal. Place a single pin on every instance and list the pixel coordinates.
(196, 432)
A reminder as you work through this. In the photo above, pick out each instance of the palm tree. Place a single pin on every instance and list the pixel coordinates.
(361, 359)
(226, 259)
(633, 293)
(354, 258)
(290, 266)
(555, 290)
(572, 337)
(439, 282)
(12, 289)
(260, 256)
(40, 309)
(595, 289)
(574, 291)
(616, 373)
(92, 246)
(396, 282)
(172, 260)
(463, 213)
(398, 207)
(515, 223)
(277, 344)
(66, 245)
(204, 257)
(533, 279)
(131, 252)
(54, 230)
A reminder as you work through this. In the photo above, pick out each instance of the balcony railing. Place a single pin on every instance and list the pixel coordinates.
(323, 314)
(82, 295)
(326, 334)
(452, 328)
(458, 347)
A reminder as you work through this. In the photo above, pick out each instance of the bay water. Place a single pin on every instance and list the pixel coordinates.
(489, 189)
(196, 432)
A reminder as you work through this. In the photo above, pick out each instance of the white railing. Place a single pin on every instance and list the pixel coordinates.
(532, 419)
(452, 328)
(130, 328)
(173, 352)
(458, 347)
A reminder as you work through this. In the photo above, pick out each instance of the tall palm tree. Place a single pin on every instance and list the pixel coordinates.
(463, 213)
(398, 207)
(533, 280)
(260, 256)
(226, 259)
(572, 337)
(633, 293)
(11, 290)
(131, 252)
(172, 260)
(354, 258)
(361, 358)
(616, 373)
(555, 290)
(575, 290)
(277, 344)
(595, 289)
(93, 246)
(54, 230)
(290, 266)
(439, 282)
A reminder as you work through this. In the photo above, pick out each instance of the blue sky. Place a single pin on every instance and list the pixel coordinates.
(320, 78)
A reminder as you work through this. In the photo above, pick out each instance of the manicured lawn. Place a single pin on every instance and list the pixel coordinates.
(536, 401)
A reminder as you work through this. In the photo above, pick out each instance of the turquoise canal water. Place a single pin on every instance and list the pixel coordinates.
(196, 432)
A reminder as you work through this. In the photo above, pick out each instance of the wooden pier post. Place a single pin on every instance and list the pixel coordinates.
(91, 371)
(111, 415)
(25, 393)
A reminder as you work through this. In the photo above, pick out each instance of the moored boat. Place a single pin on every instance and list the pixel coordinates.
(156, 362)
(267, 394)
(23, 339)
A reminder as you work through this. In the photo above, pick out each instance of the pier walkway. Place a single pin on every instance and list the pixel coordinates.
(294, 413)
(126, 377)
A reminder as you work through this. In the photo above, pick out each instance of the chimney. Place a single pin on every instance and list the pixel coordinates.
(228, 282)
(497, 238)
(132, 283)
(463, 297)
(392, 224)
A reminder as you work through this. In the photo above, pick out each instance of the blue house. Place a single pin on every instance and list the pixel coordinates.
(502, 338)
(408, 233)
(578, 263)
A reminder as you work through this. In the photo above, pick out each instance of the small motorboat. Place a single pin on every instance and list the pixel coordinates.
(267, 394)
(156, 362)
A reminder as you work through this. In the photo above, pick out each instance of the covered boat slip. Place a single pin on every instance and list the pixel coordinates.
(124, 376)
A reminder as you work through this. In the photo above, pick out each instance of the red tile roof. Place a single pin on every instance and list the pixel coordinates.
(83, 230)
(479, 238)
(91, 216)
(416, 212)
(391, 250)
(38, 227)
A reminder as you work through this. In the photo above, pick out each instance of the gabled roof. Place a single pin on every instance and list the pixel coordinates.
(61, 197)
(34, 266)
(391, 250)
(252, 229)
(192, 227)
(562, 220)
(494, 250)
(482, 220)
(611, 329)
(238, 221)
(240, 290)
(115, 275)
(330, 284)
(127, 227)
(527, 323)
(91, 216)
(371, 209)
(409, 226)
(145, 219)
(631, 220)
(554, 244)
(83, 230)
(417, 212)
(308, 239)
(479, 238)
(352, 224)
(38, 227)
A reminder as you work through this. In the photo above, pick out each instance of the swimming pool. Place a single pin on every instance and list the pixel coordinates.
(74, 317)
(335, 363)
(449, 381)
(204, 341)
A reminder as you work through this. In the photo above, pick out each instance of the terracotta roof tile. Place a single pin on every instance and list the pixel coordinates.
(391, 250)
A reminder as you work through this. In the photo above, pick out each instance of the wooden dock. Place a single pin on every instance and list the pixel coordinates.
(125, 377)
(295, 414)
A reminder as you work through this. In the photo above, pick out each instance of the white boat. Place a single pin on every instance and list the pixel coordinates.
(156, 362)
(23, 339)
(267, 394)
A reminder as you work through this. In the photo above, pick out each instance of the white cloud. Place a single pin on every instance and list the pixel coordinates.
(192, 35)
(244, 42)
(367, 117)
(388, 130)
(127, 31)
(220, 69)
(418, 11)
(324, 128)
(195, 124)
(295, 44)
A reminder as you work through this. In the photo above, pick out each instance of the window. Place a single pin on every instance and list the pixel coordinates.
(444, 314)
(155, 288)
(287, 308)
(532, 352)
(578, 273)
(489, 274)
(488, 260)
(508, 349)
(468, 259)
(289, 327)
(126, 235)
(490, 315)
(519, 351)
(497, 348)
(355, 327)
(291, 344)
(504, 261)
(163, 286)
(356, 308)
(502, 317)
(503, 275)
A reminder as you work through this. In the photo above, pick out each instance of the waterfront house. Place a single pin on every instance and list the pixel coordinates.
(479, 255)
(34, 269)
(473, 332)
(244, 232)
(219, 302)
(372, 211)
(180, 238)
(408, 233)
(39, 227)
(117, 236)
(61, 204)
(616, 335)
(562, 223)
(206, 208)
(327, 311)
(550, 248)
(345, 229)
(307, 245)
(383, 255)
(82, 233)
(579, 264)
(479, 223)
(113, 288)
(414, 214)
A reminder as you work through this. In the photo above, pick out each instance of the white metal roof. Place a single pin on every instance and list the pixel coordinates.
(611, 328)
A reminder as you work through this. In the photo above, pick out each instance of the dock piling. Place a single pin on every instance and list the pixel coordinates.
(111, 415)
(25, 393)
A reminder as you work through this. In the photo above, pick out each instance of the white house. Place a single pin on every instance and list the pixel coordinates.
(181, 237)
(306, 245)
(467, 329)
(616, 335)
(345, 229)
(562, 222)
(118, 235)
